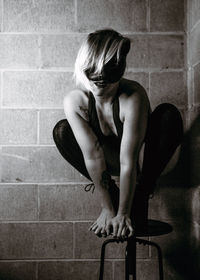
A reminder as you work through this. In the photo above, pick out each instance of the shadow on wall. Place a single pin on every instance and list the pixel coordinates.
(183, 207)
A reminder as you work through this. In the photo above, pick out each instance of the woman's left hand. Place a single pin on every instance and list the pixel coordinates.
(121, 224)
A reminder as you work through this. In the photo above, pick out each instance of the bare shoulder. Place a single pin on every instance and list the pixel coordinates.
(133, 98)
(76, 101)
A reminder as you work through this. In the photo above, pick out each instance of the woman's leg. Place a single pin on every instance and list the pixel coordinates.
(68, 147)
(164, 135)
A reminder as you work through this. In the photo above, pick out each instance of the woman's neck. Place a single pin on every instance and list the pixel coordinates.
(107, 94)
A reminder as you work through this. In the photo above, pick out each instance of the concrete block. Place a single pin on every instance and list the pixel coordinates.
(32, 240)
(18, 127)
(168, 87)
(1, 8)
(197, 84)
(34, 164)
(167, 15)
(68, 202)
(42, 16)
(36, 89)
(175, 242)
(194, 44)
(18, 202)
(194, 12)
(88, 245)
(170, 203)
(138, 55)
(48, 119)
(17, 270)
(60, 50)
(166, 51)
(195, 164)
(181, 252)
(156, 51)
(194, 125)
(19, 51)
(73, 270)
(183, 272)
(141, 77)
(195, 205)
(121, 15)
(145, 269)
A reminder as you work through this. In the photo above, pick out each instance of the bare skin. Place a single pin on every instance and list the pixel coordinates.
(134, 108)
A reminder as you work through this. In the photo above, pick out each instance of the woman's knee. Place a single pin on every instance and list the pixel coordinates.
(167, 109)
(60, 129)
(168, 114)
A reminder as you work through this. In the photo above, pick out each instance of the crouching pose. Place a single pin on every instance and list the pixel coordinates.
(110, 130)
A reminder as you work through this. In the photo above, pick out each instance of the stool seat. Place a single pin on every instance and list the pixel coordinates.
(153, 228)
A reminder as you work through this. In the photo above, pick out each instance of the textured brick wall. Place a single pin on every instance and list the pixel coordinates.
(44, 210)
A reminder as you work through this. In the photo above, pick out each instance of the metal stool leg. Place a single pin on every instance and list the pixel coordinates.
(160, 262)
(130, 260)
(103, 248)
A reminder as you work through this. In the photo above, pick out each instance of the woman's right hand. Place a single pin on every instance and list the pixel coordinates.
(122, 226)
(101, 226)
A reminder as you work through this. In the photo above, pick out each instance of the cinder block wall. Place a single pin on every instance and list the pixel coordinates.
(44, 210)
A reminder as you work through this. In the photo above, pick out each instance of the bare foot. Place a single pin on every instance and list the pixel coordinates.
(100, 226)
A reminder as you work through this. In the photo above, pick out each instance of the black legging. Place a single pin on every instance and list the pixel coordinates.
(164, 134)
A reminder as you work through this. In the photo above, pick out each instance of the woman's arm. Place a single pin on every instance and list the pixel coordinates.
(90, 147)
(135, 108)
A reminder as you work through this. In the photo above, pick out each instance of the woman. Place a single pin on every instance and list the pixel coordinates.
(110, 131)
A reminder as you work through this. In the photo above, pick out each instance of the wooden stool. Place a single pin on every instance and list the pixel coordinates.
(154, 228)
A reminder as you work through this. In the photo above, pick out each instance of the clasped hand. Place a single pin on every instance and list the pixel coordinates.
(108, 224)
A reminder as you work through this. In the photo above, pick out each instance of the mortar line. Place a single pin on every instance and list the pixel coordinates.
(60, 260)
(48, 184)
(57, 222)
(32, 108)
(52, 33)
(70, 70)
(29, 145)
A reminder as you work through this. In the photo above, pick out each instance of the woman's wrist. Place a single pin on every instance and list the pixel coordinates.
(123, 212)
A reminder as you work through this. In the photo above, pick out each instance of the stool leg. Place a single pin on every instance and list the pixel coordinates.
(102, 261)
(103, 248)
(160, 262)
(130, 259)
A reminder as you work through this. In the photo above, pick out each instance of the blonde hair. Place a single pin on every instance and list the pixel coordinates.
(102, 54)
